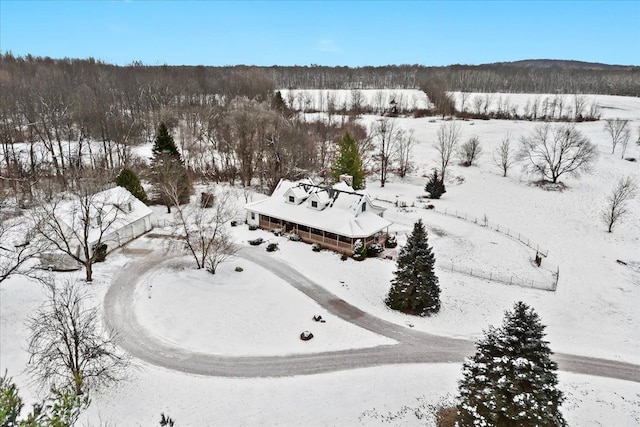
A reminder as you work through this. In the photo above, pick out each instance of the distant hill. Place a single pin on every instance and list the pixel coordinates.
(564, 63)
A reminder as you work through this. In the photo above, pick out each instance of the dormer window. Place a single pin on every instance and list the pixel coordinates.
(292, 199)
(364, 207)
(314, 204)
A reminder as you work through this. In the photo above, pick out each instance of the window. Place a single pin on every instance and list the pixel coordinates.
(292, 199)
(314, 204)
(364, 207)
(345, 239)
(331, 236)
(253, 215)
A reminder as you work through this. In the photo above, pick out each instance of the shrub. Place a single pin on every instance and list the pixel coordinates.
(391, 241)
(470, 151)
(374, 250)
(272, 247)
(359, 250)
(435, 186)
(446, 416)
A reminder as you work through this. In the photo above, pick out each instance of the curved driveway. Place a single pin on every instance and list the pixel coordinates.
(413, 346)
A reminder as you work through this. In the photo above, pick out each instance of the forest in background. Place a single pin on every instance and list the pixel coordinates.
(64, 118)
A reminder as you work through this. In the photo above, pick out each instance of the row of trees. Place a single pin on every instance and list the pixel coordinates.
(550, 151)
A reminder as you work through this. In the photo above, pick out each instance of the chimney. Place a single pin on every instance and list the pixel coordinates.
(347, 179)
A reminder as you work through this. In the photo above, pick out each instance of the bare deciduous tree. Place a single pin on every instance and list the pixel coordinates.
(579, 105)
(470, 151)
(386, 135)
(618, 129)
(555, 152)
(66, 346)
(504, 156)
(203, 229)
(403, 153)
(616, 208)
(17, 249)
(448, 137)
(77, 227)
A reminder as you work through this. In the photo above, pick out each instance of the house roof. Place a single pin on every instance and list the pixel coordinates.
(341, 216)
(114, 214)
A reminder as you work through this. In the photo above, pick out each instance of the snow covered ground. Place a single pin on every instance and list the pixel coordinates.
(594, 311)
(251, 313)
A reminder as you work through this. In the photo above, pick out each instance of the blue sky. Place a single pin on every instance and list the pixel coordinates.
(354, 33)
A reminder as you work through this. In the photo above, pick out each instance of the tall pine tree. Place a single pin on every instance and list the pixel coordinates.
(511, 380)
(164, 143)
(348, 162)
(415, 289)
(129, 180)
(170, 179)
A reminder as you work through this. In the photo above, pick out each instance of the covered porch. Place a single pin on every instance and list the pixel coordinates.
(325, 239)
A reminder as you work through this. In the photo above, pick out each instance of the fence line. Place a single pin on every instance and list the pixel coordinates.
(494, 277)
(501, 278)
(484, 222)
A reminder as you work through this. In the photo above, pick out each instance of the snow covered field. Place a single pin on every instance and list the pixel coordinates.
(594, 311)
(411, 99)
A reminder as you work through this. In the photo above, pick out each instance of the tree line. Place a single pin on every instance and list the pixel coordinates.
(61, 120)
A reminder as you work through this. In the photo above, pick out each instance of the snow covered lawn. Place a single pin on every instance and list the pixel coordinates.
(394, 395)
(248, 313)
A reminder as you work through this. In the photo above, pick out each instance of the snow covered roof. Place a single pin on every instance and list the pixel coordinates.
(298, 193)
(342, 216)
(109, 210)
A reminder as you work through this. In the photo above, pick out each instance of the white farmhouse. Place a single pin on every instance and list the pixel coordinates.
(334, 217)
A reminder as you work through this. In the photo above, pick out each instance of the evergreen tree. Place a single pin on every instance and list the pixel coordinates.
(278, 103)
(511, 380)
(129, 180)
(170, 179)
(415, 289)
(61, 408)
(435, 186)
(359, 250)
(349, 162)
(164, 143)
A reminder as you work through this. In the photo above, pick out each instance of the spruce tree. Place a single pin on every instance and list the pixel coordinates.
(415, 290)
(169, 176)
(511, 380)
(279, 104)
(435, 186)
(129, 180)
(348, 162)
(164, 143)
